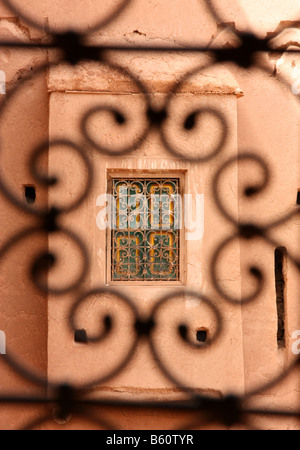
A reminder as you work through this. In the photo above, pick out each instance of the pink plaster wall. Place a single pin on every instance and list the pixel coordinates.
(263, 120)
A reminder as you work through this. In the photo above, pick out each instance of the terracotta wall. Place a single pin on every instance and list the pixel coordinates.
(263, 116)
(23, 317)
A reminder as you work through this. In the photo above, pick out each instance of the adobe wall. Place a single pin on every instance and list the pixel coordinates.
(23, 316)
(264, 120)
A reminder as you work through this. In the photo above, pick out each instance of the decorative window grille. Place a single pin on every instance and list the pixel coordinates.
(145, 232)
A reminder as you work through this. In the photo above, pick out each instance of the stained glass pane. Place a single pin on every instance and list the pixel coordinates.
(145, 241)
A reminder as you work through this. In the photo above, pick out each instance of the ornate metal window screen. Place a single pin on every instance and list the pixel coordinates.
(73, 48)
(145, 234)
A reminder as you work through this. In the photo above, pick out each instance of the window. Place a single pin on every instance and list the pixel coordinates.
(146, 229)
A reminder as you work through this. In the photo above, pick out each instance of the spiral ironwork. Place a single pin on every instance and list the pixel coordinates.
(72, 46)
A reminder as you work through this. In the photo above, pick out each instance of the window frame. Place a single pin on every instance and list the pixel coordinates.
(127, 173)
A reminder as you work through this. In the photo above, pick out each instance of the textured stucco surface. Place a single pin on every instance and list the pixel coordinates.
(263, 115)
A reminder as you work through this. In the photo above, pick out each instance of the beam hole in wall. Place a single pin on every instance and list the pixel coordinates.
(201, 335)
(30, 194)
(80, 336)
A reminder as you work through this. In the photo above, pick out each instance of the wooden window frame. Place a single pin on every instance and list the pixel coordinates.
(135, 173)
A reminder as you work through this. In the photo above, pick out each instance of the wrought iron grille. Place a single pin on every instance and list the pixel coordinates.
(158, 251)
(145, 244)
